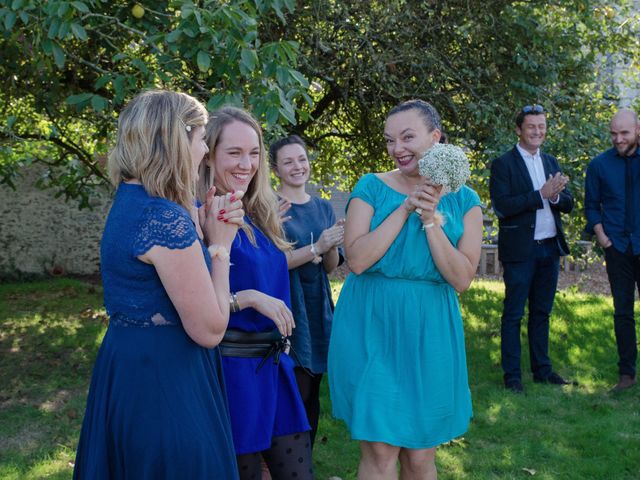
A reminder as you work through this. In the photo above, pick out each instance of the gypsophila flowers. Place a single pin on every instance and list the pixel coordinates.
(445, 164)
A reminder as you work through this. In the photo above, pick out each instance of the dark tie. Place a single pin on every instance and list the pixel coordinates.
(628, 197)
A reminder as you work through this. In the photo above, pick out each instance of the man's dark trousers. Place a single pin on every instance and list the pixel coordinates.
(535, 280)
(623, 270)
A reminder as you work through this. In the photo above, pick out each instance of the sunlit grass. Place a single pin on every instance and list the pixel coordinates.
(550, 432)
(50, 332)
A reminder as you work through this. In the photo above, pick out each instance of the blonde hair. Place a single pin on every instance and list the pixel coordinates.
(260, 201)
(153, 144)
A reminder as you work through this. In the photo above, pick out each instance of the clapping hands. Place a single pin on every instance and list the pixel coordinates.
(553, 186)
(220, 217)
(283, 207)
(331, 237)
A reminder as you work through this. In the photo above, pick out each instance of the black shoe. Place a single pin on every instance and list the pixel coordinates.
(626, 381)
(555, 379)
(514, 385)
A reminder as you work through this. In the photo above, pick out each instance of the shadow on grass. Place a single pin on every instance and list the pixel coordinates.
(582, 342)
(49, 336)
(48, 340)
(50, 333)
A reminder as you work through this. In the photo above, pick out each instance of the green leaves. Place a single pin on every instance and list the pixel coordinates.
(97, 102)
(80, 7)
(9, 20)
(204, 61)
(73, 65)
(53, 49)
(58, 55)
(79, 31)
(329, 71)
(249, 60)
(79, 99)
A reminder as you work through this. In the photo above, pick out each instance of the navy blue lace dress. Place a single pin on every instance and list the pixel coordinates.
(157, 405)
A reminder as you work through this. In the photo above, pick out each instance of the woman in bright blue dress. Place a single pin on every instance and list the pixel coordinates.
(267, 414)
(157, 407)
(397, 364)
(312, 229)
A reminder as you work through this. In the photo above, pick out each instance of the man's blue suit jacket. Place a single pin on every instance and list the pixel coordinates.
(515, 203)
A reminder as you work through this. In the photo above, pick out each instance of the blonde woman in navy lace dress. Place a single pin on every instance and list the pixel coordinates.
(157, 407)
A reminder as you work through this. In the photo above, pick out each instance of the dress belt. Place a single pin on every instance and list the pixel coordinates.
(237, 343)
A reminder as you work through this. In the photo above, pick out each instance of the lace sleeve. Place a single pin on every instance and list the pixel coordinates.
(164, 226)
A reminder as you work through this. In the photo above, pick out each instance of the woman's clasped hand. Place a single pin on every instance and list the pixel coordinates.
(424, 200)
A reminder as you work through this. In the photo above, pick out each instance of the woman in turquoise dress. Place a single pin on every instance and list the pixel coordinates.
(397, 364)
(157, 407)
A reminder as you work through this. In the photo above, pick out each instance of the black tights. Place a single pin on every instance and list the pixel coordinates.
(309, 387)
(289, 457)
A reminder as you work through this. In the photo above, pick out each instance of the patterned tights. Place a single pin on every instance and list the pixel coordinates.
(289, 457)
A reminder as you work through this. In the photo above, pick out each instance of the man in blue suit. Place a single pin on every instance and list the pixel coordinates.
(528, 192)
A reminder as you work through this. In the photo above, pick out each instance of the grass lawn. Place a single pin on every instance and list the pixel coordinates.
(50, 332)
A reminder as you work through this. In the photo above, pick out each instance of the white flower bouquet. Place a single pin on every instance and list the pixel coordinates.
(445, 164)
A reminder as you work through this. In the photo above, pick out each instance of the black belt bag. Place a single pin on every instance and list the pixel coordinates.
(237, 343)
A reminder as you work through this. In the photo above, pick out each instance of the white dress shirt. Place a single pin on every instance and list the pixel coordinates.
(545, 223)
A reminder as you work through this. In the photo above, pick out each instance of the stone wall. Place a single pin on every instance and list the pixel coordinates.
(629, 89)
(44, 235)
(41, 234)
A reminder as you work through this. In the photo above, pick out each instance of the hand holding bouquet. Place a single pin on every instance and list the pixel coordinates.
(445, 165)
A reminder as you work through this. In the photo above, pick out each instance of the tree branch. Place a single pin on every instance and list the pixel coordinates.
(66, 146)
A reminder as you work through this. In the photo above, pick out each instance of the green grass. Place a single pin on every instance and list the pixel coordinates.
(49, 335)
(50, 332)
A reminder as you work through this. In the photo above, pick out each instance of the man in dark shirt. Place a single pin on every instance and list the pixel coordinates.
(612, 208)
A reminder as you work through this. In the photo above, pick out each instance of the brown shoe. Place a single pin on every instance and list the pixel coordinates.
(626, 381)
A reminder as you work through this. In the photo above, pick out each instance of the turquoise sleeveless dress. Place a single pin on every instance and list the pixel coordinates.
(397, 362)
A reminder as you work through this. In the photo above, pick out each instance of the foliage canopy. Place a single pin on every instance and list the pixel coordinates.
(68, 67)
(328, 70)
(477, 65)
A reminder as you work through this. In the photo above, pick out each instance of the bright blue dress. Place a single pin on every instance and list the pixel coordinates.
(157, 407)
(311, 301)
(264, 402)
(397, 362)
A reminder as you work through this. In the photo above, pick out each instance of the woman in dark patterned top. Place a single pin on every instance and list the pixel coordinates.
(315, 234)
